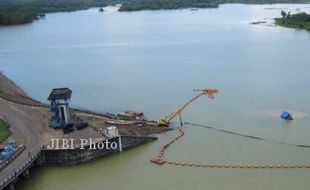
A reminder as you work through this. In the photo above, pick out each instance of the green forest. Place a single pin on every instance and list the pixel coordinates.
(25, 11)
(299, 20)
(137, 5)
(166, 4)
(17, 15)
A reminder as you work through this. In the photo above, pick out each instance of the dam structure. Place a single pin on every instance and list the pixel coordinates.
(31, 125)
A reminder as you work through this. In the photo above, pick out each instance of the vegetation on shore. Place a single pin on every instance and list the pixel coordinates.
(4, 131)
(298, 20)
(136, 5)
(17, 15)
(166, 4)
(25, 11)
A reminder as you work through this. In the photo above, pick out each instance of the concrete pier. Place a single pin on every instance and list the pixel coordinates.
(46, 157)
(77, 155)
(29, 123)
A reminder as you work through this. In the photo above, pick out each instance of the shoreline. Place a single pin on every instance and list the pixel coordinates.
(29, 123)
(11, 94)
(297, 26)
(136, 6)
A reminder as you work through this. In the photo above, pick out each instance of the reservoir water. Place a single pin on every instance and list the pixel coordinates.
(151, 61)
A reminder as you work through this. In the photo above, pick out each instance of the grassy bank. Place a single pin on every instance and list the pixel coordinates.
(4, 131)
(299, 20)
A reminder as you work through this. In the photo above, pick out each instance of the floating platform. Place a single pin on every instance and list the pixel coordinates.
(286, 115)
(158, 161)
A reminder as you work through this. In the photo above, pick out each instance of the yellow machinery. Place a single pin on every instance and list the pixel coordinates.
(166, 120)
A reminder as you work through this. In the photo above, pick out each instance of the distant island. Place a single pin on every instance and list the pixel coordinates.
(137, 5)
(299, 20)
(25, 11)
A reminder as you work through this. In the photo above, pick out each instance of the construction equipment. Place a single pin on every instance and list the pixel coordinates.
(166, 120)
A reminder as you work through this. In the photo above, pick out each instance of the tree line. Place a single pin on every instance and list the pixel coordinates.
(137, 5)
(166, 4)
(16, 14)
(298, 20)
(24, 11)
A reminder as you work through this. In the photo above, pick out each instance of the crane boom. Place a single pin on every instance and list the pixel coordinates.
(209, 92)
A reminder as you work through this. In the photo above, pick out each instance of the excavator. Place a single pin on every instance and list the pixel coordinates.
(166, 120)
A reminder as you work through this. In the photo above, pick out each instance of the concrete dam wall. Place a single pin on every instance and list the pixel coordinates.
(66, 157)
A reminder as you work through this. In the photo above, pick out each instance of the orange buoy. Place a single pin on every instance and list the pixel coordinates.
(158, 161)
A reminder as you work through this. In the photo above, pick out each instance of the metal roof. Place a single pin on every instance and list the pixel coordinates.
(60, 94)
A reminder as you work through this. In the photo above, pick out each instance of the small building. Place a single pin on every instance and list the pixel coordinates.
(60, 98)
(111, 132)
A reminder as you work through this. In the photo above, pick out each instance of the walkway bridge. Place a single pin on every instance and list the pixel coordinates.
(16, 165)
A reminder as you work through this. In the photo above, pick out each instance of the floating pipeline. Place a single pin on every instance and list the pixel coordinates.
(160, 161)
(247, 136)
